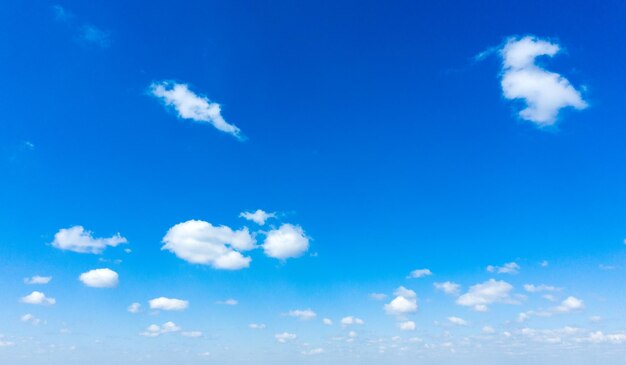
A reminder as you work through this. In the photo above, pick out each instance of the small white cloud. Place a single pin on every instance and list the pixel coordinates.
(570, 304)
(457, 321)
(315, 351)
(480, 296)
(508, 268)
(155, 330)
(544, 92)
(134, 308)
(488, 330)
(168, 304)
(287, 241)
(230, 301)
(378, 296)
(404, 303)
(76, 239)
(544, 263)
(448, 287)
(29, 318)
(351, 320)
(259, 216)
(302, 314)
(539, 288)
(100, 278)
(190, 105)
(38, 298)
(600, 337)
(419, 273)
(200, 242)
(37, 280)
(193, 334)
(285, 337)
(407, 326)
(257, 326)
(327, 321)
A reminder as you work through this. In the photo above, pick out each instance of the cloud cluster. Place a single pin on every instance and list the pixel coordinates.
(285, 337)
(155, 330)
(77, 239)
(480, 296)
(405, 302)
(545, 93)
(302, 314)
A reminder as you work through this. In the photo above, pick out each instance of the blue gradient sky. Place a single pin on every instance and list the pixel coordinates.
(371, 125)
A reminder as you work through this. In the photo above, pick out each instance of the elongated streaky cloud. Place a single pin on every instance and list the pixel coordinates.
(508, 268)
(41, 280)
(302, 314)
(545, 93)
(200, 242)
(77, 239)
(190, 105)
(419, 273)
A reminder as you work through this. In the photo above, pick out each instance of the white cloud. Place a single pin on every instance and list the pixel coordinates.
(29, 318)
(285, 337)
(168, 304)
(37, 280)
(302, 314)
(155, 330)
(286, 242)
(600, 337)
(257, 326)
(200, 242)
(77, 239)
(539, 288)
(37, 297)
(488, 330)
(508, 268)
(193, 334)
(351, 320)
(100, 278)
(6, 343)
(407, 326)
(134, 308)
(404, 303)
(457, 321)
(315, 351)
(230, 301)
(570, 304)
(544, 92)
(327, 321)
(259, 216)
(190, 105)
(448, 287)
(419, 273)
(378, 296)
(480, 296)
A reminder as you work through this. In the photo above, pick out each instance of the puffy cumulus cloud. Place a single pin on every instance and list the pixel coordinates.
(419, 273)
(285, 337)
(448, 287)
(230, 301)
(155, 330)
(351, 320)
(259, 216)
(545, 93)
(480, 296)
(29, 318)
(457, 321)
(37, 280)
(508, 268)
(570, 304)
(539, 288)
(199, 242)
(405, 302)
(77, 239)
(327, 321)
(407, 326)
(601, 337)
(38, 298)
(168, 304)
(134, 308)
(287, 241)
(100, 278)
(190, 105)
(302, 314)
(257, 326)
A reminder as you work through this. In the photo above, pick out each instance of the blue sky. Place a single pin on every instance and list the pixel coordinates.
(481, 144)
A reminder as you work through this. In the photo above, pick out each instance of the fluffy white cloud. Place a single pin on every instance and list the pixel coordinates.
(285, 337)
(100, 278)
(327, 321)
(79, 240)
(570, 304)
(480, 296)
(448, 287)
(508, 268)
(302, 314)
(351, 320)
(457, 321)
(155, 330)
(189, 105)
(407, 326)
(259, 216)
(230, 301)
(544, 92)
(285, 242)
(404, 303)
(600, 337)
(39, 298)
(29, 318)
(539, 288)
(134, 308)
(419, 273)
(168, 304)
(200, 242)
(37, 280)
(257, 326)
